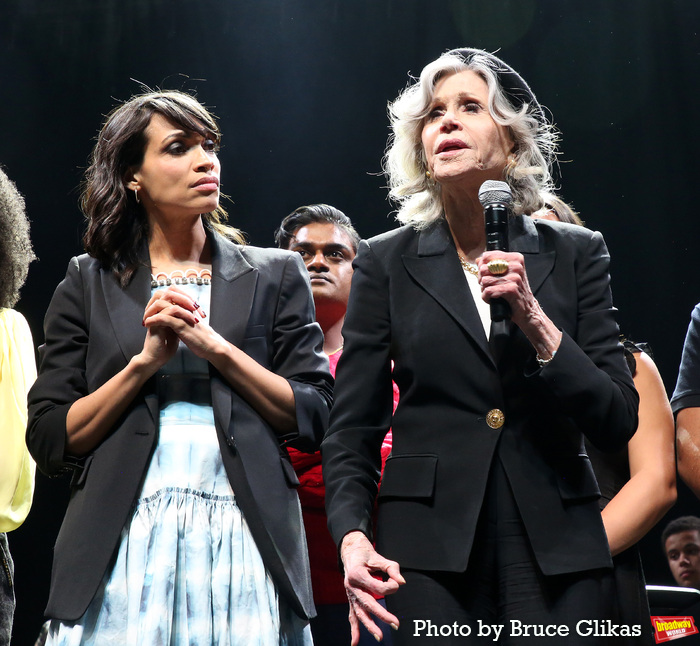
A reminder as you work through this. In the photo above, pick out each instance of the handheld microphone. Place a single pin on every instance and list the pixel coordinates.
(496, 198)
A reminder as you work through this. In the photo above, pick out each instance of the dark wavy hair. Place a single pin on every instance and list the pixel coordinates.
(117, 225)
(304, 215)
(15, 246)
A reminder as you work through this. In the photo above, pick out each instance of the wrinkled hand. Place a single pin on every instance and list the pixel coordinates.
(171, 316)
(514, 288)
(362, 563)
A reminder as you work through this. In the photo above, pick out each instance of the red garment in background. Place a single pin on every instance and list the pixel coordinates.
(326, 579)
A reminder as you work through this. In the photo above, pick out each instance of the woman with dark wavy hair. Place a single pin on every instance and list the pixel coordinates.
(17, 372)
(487, 511)
(178, 364)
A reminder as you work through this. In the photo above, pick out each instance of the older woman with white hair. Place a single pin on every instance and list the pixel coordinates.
(487, 513)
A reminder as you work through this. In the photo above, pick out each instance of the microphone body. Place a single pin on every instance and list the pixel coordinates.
(496, 199)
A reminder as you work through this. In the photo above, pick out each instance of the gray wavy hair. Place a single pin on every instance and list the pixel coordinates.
(15, 246)
(529, 175)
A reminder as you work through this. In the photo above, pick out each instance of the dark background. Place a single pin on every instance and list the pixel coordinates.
(301, 87)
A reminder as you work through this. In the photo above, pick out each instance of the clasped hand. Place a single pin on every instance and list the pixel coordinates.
(172, 316)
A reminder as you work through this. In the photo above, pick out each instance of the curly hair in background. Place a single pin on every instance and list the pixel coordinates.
(15, 246)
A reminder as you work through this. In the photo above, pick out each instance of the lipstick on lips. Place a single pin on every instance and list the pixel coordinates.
(451, 145)
(208, 183)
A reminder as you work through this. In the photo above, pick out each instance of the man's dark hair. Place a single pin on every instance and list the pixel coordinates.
(680, 524)
(304, 215)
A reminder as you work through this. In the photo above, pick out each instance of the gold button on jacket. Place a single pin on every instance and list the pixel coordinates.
(495, 418)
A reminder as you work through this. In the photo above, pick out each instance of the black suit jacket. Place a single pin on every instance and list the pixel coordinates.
(260, 302)
(410, 304)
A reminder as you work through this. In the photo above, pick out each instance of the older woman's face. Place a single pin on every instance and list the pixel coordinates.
(180, 170)
(461, 141)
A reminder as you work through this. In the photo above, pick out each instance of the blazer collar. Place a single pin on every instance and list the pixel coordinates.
(125, 306)
(233, 288)
(524, 238)
(227, 260)
(436, 267)
(233, 285)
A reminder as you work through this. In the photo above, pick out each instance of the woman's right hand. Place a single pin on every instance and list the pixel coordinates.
(92, 417)
(159, 347)
(161, 339)
(362, 565)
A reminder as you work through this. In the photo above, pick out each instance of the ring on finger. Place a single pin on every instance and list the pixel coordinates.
(497, 266)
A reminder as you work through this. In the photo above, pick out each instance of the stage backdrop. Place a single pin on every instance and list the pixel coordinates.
(301, 88)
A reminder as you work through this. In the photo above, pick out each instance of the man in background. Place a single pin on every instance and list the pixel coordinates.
(327, 242)
(681, 544)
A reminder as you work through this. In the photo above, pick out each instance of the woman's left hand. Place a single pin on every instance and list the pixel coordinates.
(511, 284)
(174, 308)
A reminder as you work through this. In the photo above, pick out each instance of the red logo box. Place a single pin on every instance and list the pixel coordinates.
(667, 629)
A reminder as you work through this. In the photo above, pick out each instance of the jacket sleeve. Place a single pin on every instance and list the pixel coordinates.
(361, 416)
(588, 378)
(687, 391)
(61, 378)
(299, 357)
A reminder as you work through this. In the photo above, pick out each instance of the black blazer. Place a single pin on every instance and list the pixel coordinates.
(261, 302)
(410, 304)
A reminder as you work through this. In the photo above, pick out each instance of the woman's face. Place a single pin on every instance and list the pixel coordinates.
(461, 141)
(180, 171)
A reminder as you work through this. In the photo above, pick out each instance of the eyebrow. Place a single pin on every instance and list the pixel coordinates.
(460, 97)
(185, 133)
(329, 246)
(176, 134)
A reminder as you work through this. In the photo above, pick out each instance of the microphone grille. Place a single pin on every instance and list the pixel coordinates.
(495, 192)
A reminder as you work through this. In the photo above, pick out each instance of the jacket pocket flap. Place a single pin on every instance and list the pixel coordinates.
(409, 476)
(576, 479)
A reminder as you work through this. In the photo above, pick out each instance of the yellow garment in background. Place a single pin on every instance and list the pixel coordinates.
(17, 374)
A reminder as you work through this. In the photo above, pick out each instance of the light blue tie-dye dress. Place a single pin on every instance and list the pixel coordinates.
(187, 572)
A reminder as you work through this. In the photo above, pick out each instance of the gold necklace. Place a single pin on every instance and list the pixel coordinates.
(471, 267)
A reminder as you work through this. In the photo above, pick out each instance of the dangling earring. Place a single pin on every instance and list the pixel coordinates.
(136, 195)
(428, 175)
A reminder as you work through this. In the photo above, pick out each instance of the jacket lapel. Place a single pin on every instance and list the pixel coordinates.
(525, 239)
(437, 269)
(125, 309)
(125, 306)
(233, 285)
